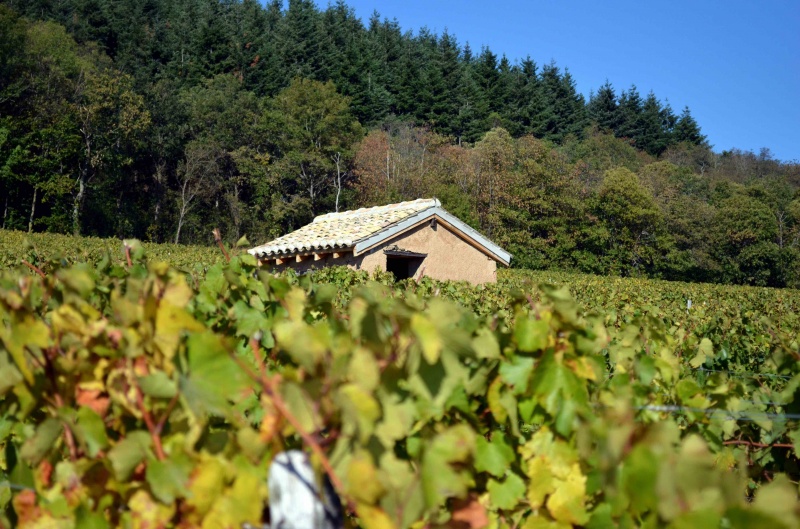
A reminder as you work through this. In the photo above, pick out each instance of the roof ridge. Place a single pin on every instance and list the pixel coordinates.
(434, 202)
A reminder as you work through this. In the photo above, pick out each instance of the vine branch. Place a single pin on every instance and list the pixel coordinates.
(754, 444)
(269, 384)
(34, 268)
(155, 430)
(218, 240)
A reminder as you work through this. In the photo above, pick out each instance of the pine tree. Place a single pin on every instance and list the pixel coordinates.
(544, 123)
(531, 104)
(272, 73)
(346, 57)
(630, 113)
(654, 137)
(411, 98)
(603, 108)
(430, 81)
(13, 28)
(473, 106)
(213, 44)
(573, 112)
(252, 45)
(376, 100)
(687, 129)
(182, 59)
(565, 109)
(445, 78)
(505, 86)
(488, 78)
(300, 40)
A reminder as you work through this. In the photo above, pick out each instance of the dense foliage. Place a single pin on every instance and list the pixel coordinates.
(162, 119)
(145, 396)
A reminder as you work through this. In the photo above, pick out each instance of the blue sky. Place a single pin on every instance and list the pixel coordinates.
(735, 63)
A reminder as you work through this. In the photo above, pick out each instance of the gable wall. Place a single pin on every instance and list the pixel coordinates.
(449, 256)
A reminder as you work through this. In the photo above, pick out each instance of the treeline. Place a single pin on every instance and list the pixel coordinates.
(161, 119)
(431, 78)
(599, 205)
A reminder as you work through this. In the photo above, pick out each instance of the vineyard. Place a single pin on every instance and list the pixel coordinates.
(140, 394)
(44, 247)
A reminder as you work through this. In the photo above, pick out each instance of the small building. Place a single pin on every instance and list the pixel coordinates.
(409, 239)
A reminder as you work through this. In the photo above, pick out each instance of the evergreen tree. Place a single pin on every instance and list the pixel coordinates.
(444, 78)
(348, 61)
(505, 87)
(564, 111)
(515, 101)
(271, 73)
(12, 28)
(687, 129)
(473, 106)
(386, 47)
(253, 53)
(654, 136)
(531, 104)
(182, 54)
(138, 41)
(668, 121)
(375, 99)
(630, 115)
(411, 96)
(603, 108)
(487, 77)
(214, 34)
(299, 41)
(430, 81)
(573, 106)
(544, 123)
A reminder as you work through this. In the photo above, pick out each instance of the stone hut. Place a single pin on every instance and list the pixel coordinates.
(409, 239)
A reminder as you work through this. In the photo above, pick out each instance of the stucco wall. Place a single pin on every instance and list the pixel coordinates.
(448, 256)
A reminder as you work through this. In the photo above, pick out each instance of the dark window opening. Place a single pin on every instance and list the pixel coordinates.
(403, 267)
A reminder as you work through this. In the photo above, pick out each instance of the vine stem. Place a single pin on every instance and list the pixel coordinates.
(34, 268)
(218, 240)
(155, 431)
(167, 412)
(269, 384)
(68, 436)
(47, 287)
(758, 445)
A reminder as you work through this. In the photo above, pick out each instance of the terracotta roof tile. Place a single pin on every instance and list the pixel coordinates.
(342, 230)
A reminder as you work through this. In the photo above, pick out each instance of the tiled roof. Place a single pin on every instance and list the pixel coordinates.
(343, 230)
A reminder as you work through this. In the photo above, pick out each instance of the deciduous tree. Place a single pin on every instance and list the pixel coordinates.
(308, 124)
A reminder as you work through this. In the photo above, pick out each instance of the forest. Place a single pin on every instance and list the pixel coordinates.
(163, 119)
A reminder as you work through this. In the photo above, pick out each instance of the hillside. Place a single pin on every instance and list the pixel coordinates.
(161, 120)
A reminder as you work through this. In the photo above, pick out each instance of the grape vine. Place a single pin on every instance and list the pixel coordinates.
(150, 396)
